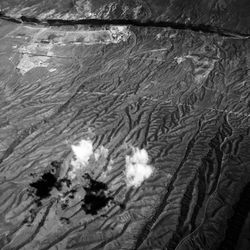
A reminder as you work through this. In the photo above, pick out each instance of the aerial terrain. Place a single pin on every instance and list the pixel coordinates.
(125, 125)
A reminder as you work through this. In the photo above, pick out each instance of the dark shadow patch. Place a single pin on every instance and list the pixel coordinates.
(49, 180)
(44, 185)
(95, 198)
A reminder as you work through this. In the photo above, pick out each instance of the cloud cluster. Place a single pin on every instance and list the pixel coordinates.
(82, 152)
(100, 152)
(137, 164)
(137, 167)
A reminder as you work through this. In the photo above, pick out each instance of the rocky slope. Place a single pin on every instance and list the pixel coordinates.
(231, 15)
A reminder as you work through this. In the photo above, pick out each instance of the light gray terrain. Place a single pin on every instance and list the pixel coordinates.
(181, 95)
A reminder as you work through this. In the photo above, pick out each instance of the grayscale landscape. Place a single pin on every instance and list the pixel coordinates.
(124, 125)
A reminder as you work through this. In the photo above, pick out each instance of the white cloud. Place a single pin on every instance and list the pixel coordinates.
(82, 152)
(137, 167)
(101, 152)
(85, 156)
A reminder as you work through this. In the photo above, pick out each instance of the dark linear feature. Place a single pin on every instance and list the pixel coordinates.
(105, 22)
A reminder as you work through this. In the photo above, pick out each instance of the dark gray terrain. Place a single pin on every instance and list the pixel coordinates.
(125, 125)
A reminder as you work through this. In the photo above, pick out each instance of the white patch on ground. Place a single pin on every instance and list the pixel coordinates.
(52, 70)
(158, 36)
(34, 54)
(114, 34)
(27, 63)
(119, 33)
(137, 167)
(37, 53)
(203, 67)
(180, 59)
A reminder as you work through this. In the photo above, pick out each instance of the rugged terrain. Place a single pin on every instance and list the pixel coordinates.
(124, 125)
